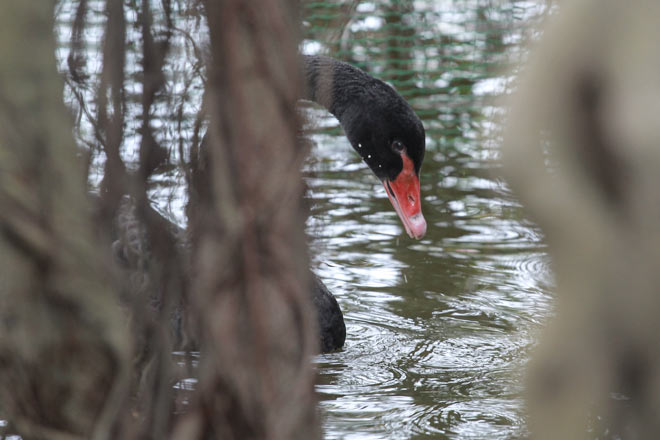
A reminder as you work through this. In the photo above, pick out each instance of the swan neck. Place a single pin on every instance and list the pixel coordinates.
(333, 84)
(319, 80)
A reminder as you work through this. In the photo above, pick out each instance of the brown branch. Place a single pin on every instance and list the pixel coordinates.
(57, 294)
(253, 334)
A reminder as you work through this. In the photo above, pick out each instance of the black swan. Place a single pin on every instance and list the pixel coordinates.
(132, 254)
(383, 129)
(380, 125)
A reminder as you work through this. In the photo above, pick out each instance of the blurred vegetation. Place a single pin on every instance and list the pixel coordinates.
(97, 287)
(585, 166)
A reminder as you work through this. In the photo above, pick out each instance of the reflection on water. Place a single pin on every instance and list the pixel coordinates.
(438, 330)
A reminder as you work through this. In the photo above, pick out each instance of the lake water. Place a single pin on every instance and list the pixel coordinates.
(438, 330)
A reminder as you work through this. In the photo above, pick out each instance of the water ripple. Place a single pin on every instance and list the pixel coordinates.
(438, 329)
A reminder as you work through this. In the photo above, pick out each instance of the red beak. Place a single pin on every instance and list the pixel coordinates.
(403, 192)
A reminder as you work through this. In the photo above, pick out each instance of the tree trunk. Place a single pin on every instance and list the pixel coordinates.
(582, 153)
(257, 335)
(63, 350)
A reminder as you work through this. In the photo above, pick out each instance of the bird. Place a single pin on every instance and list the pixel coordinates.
(329, 318)
(132, 255)
(381, 127)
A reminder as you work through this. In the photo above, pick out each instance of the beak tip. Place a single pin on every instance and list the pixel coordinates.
(417, 225)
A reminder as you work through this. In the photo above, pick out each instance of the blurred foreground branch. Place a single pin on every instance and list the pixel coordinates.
(582, 152)
(63, 346)
(87, 354)
(250, 285)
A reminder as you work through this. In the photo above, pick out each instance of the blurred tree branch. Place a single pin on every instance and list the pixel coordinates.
(63, 344)
(582, 153)
(249, 286)
(86, 345)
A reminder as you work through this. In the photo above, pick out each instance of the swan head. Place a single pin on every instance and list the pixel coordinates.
(385, 131)
(380, 125)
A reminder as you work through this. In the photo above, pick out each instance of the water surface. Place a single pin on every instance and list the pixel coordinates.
(438, 330)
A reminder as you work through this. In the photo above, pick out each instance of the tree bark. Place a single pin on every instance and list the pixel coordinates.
(582, 153)
(257, 335)
(63, 346)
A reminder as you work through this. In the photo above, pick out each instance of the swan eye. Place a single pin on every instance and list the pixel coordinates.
(397, 146)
